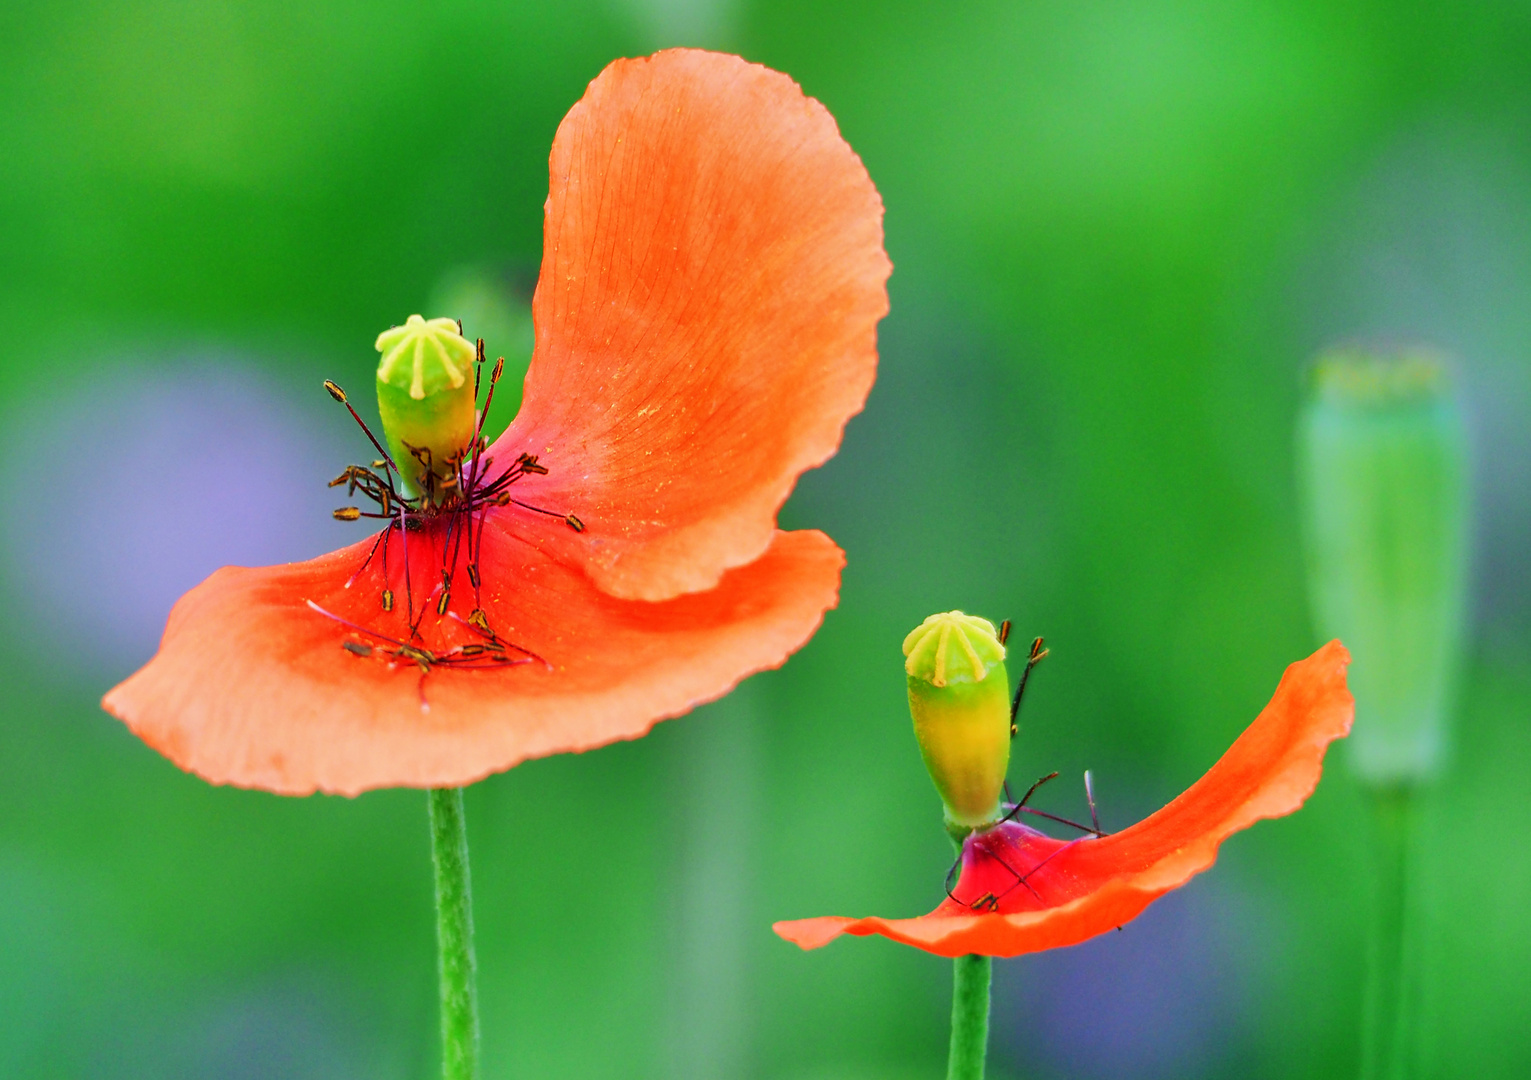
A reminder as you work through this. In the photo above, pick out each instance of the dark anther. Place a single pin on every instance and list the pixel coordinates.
(574, 523)
(499, 369)
(473, 574)
(341, 479)
(387, 599)
(1004, 636)
(335, 392)
(1035, 658)
(441, 605)
(356, 647)
(379, 463)
(477, 619)
(348, 513)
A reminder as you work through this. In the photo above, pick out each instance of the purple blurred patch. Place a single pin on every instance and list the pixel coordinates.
(1169, 995)
(298, 1027)
(174, 470)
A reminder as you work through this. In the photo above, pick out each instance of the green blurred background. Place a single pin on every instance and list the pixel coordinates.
(1119, 230)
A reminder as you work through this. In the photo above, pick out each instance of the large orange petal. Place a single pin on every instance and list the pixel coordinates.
(253, 687)
(712, 278)
(1075, 890)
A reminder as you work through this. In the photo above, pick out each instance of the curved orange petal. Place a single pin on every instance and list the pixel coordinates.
(1074, 890)
(712, 278)
(252, 687)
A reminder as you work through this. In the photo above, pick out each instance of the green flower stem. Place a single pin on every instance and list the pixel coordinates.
(970, 1017)
(1387, 1028)
(454, 935)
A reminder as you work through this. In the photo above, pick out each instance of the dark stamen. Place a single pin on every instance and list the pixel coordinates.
(360, 629)
(340, 395)
(1032, 790)
(459, 494)
(568, 519)
(1020, 878)
(1022, 808)
(1037, 653)
(1054, 817)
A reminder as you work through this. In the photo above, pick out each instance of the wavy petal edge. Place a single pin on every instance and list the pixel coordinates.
(1330, 709)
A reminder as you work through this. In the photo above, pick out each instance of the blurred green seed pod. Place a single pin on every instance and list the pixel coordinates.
(1383, 461)
(490, 308)
(959, 697)
(425, 396)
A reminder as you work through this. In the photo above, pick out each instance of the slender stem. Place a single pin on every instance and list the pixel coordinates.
(454, 935)
(1387, 1030)
(970, 1017)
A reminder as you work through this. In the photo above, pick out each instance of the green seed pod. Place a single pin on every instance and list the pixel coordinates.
(1383, 460)
(959, 697)
(425, 396)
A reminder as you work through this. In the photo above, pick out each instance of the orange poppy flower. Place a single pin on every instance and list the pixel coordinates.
(1020, 891)
(712, 278)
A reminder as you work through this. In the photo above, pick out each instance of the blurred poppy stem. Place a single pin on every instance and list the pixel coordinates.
(1388, 1024)
(970, 1017)
(454, 935)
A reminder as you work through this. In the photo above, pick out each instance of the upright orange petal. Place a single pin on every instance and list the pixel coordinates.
(712, 278)
(1074, 890)
(252, 686)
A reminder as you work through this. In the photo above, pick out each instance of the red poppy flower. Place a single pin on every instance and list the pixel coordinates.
(1020, 891)
(712, 279)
